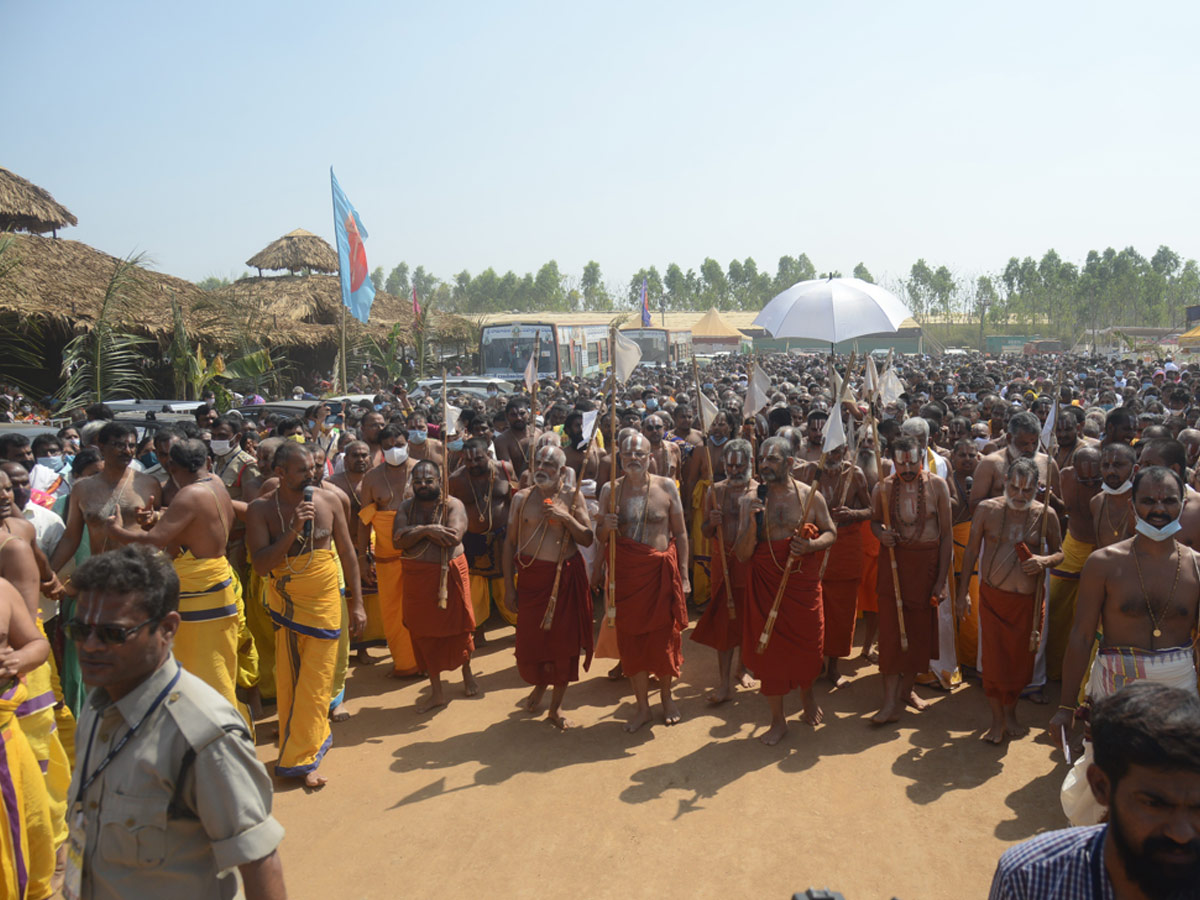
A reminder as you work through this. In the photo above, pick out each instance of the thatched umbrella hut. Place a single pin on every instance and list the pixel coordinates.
(295, 251)
(26, 207)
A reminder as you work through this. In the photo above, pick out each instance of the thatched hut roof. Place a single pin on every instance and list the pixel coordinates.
(294, 251)
(26, 207)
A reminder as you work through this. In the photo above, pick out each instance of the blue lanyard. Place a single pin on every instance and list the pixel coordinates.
(124, 739)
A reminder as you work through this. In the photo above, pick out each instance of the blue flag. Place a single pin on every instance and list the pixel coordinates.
(645, 305)
(358, 291)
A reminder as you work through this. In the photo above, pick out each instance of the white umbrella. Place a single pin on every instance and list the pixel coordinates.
(832, 310)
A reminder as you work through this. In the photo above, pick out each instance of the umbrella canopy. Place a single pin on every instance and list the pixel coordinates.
(26, 207)
(294, 251)
(833, 310)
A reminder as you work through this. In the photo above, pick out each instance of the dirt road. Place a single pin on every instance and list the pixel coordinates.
(482, 800)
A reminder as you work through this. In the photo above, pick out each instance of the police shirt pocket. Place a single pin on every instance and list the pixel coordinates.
(133, 831)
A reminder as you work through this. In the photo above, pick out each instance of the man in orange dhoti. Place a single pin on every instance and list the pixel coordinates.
(651, 541)
(768, 543)
(720, 627)
(1009, 527)
(918, 545)
(547, 523)
(429, 530)
(382, 490)
(844, 488)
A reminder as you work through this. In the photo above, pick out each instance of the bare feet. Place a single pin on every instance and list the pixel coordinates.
(1035, 696)
(396, 673)
(889, 713)
(720, 695)
(559, 721)
(339, 713)
(837, 680)
(670, 711)
(915, 702)
(994, 735)
(812, 711)
(534, 700)
(774, 734)
(362, 657)
(640, 718)
(470, 685)
(745, 680)
(615, 673)
(1012, 727)
(315, 781)
(433, 701)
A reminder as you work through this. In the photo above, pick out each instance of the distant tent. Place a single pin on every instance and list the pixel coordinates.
(295, 251)
(26, 207)
(1190, 340)
(712, 334)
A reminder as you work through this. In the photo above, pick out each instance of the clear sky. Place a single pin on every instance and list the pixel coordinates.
(505, 134)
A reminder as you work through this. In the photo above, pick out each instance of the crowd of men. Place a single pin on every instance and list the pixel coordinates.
(985, 520)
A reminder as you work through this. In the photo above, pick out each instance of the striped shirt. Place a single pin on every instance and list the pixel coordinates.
(1064, 865)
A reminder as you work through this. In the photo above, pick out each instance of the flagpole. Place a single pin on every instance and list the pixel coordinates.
(611, 596)
(443, 593)
(537, 340)
(345, 381)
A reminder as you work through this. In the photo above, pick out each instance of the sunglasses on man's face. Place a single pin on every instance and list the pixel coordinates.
(108, 634)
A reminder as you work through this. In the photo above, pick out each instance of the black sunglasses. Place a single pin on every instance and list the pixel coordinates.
(108, 634)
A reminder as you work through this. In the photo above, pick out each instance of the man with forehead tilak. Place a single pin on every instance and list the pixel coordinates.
(651, 541)
(720, 626)
(485, 486)
(922, 541)
(787, 531)
(1141, 595)
(1112, 509)
(547, 582)
(1009, 529)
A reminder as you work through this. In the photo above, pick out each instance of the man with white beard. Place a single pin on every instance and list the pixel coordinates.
(1008, 527)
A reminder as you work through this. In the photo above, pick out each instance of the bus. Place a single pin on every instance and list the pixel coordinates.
(661, 346)
(576, 350)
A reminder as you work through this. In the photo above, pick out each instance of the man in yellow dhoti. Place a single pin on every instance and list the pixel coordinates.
(1080, 483)
(698, 477)
(291, 540)
(194, 529)
(26, 832)
(383, 489)
(964, 457)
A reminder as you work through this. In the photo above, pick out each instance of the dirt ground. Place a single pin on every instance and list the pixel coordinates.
(480, 799)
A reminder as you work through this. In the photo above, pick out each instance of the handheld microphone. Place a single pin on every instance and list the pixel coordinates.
(308, 495)
(758, 516)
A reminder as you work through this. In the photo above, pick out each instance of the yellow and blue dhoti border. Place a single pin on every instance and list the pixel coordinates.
(38, 722)
(207, 641)
(26, 832)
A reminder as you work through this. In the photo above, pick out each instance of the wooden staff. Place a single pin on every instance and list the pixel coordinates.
(548, 618)
(1039, 591)
(443, 593)
(610, 598)
(720, 526)
(887, 523)
(769, 625)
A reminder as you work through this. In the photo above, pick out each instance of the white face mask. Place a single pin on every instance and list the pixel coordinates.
(1157, 534)
(1112, 491)
(221, 447)
(396, 456)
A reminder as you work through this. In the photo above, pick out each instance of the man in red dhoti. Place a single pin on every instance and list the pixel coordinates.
(651, 539)
(792, 658)
(844, 488)
(720, 627)
(1009, 528)
(917, 545)
(428, 531)
(547, 583)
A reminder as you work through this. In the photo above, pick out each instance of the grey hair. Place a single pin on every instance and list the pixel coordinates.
(739, 445)
(916, 427)
(782, 444)
(555, 454)
(1024, 423)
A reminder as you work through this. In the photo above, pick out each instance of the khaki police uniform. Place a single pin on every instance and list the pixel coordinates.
(178, 806)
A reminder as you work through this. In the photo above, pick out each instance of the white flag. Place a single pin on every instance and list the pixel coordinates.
(531, 369)
(890, 386)
(708, 412)
(589, 428)
(756, 392)
(627, 356)
(452, 415)
(835, 434)
(1048, 429)
(871, 384)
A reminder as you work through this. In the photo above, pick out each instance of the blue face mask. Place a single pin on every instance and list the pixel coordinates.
(311, 423)
(378, 407)
(651, 405)
(416, 436)
(149, 460)
(57, 463)
(455, 445)
(718, 441)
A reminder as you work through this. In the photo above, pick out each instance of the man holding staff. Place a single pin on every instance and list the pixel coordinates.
(918, 545)
(651, 540)
(781, 540)
(547, 525)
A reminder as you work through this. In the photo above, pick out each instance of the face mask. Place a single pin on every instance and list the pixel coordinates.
(20, 496)
(718, 441)
(220, 448)
(417, 436)
(298, 438)
(652, 405)
(492, 393)
(1157, 534)
(51, 462)
(311, 423)
(149, 460)
(456, 445)
(1111, 491)
(378, 407)
(395, 456)
(67, 459)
